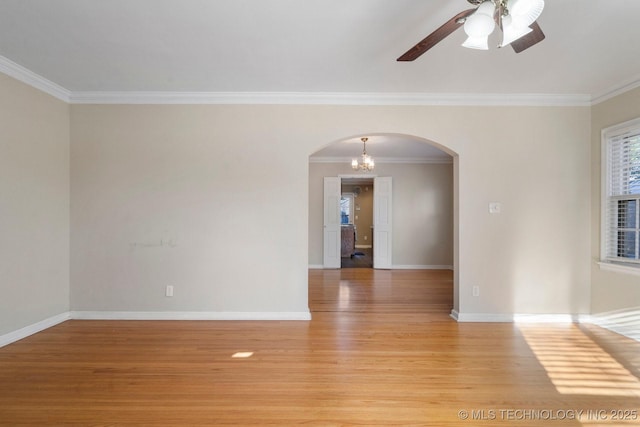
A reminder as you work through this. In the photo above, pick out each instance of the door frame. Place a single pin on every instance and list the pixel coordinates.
(328, 243)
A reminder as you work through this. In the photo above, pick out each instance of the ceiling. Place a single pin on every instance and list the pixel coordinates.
(592, 47)
(311, 46)
(389, 148)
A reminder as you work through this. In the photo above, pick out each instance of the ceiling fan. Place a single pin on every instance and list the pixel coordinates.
(515, 18)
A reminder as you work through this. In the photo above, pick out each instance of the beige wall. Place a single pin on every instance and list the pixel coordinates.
(207, 199)
(610, 290)
(34, 206)
(178, 195)
(218, 181)
(422, 211)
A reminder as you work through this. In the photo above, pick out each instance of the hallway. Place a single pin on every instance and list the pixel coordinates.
(362, 258)
(381, 291)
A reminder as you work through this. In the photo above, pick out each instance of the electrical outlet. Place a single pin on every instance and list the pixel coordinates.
(169, 291)
(365, 237)
(476, 291)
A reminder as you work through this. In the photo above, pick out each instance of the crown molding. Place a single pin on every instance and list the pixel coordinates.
(330, 98)
(626, 86)
(24, 75)
(380, 160)
(27, 76)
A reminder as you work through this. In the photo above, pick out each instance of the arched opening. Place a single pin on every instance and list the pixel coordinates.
(425, 198)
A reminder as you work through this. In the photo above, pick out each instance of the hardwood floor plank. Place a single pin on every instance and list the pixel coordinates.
(381, 350)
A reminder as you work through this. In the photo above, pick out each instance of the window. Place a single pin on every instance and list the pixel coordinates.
(346, 208)
(621, 193)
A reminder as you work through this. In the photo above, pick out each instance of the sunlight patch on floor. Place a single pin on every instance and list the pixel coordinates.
(242, 355)
(575, 364)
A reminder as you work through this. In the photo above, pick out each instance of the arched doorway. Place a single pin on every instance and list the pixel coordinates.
(425, 197)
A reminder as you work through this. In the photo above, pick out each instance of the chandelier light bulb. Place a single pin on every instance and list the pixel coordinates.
(366, 164)
(368, 161)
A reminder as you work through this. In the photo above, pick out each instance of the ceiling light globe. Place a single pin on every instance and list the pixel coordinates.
(511, 31)
(480, 43)
(525, 12)
(487, 8)
(479, 25)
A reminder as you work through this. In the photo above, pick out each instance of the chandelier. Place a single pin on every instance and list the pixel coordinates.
(366, 164)
(513, 17)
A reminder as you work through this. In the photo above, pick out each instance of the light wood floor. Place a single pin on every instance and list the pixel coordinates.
(380, 350)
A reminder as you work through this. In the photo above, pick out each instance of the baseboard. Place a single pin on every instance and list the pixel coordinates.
(189, 315)
(622, 322)
(625, 322)
(519, 318)
(399, 267)
(21, 333)
(551, 318)
(481, 317)
(421, 267)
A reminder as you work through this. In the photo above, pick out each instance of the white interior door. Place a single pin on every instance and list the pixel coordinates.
(382, 236)
(331, 234)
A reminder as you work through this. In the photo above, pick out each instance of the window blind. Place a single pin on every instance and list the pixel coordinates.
(623, 197)
(624, 165)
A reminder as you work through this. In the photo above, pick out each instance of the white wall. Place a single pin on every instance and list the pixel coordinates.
(210, 179)
(422, 211)
(611, 291)
(34, 206)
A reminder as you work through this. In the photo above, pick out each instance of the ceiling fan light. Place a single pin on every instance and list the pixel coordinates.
(486, 8)
(525, 12)
(481, 43)
(511, 31)
(479, 25)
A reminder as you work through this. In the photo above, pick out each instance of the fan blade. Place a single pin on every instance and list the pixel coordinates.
(525, 42)
(437, 36)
